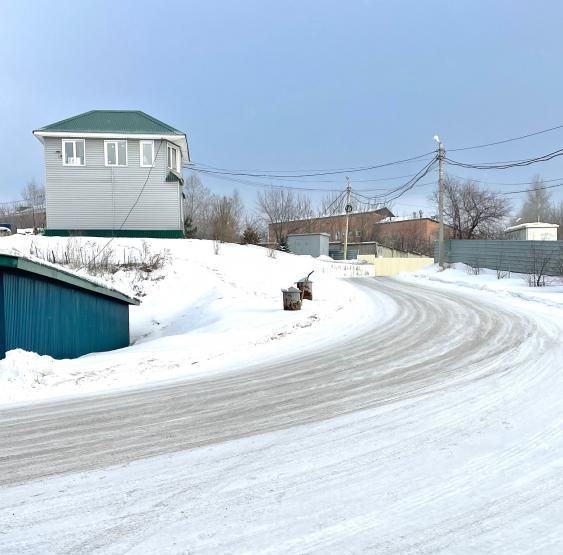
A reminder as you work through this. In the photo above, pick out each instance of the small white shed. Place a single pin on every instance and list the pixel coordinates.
(313, 244)
(534, 231)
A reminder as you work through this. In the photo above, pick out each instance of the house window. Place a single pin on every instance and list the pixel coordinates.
(174, 158)
(74, 152)
(147, 154)
(115, 153)
(358, 233)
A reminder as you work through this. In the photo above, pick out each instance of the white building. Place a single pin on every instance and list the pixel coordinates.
(535, 231)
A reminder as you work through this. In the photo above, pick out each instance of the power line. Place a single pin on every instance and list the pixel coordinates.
(263, 185)
(508, 164)
(400, 191)
(503, 141)
(314, 180)
(333, 203)
(485, 182)
(289, 175)
(531, 190)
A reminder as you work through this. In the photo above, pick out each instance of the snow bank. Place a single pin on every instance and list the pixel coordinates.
(200, 313)
(513, 285)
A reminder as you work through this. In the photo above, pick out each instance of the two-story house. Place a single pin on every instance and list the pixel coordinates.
(114, 173)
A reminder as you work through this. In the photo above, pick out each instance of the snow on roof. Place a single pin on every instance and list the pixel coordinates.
(308, 234)
(76, 277)
(396, 219)
(537, 225)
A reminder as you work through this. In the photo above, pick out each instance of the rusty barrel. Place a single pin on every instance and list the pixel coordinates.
(291, 299)
(306, 287)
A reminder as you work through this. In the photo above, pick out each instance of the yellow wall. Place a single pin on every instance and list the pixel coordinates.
(393, 266)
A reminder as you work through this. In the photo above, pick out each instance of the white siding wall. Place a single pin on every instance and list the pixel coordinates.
(98, 197)
(541, 233)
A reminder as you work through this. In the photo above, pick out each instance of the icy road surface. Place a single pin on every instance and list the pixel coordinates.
(440, 430)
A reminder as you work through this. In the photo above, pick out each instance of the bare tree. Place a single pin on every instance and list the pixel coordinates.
(472, 212)
(537, 204)
(278, 207)
(34, 194)
(198, 206)
(539, 265)
(226, 218)
(556, 217)
(332, 203)
(31, 211)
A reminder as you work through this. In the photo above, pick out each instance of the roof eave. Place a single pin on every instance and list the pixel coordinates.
(32, 267)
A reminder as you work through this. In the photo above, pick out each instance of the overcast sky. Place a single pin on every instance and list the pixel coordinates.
(290, 85)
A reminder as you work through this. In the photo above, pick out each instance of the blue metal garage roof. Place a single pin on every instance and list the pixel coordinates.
(26, 265)
(53, 312)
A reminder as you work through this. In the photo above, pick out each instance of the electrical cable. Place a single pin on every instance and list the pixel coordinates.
(221, 171)
(503, 141)
(484, 182)
(132, 207)
(267, 185)
(508, 164)
(531, 190)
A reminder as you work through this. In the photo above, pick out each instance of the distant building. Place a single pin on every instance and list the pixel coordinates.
(360, 226)
(410, 234)
(415, 235)
(424, 228)
(535, 231)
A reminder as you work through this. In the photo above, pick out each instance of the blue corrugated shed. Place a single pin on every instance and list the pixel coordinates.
(52, 312)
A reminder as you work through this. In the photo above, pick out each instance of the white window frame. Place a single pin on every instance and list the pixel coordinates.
(178, 158)
(74, 141)
(141, 143)
(116, 153)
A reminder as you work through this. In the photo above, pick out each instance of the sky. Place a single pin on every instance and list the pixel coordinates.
(295, 85)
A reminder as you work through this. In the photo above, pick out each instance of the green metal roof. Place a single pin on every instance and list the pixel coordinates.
(113, 121)
(25, 265)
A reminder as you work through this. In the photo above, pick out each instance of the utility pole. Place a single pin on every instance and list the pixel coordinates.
(441, 246)
(348, 209)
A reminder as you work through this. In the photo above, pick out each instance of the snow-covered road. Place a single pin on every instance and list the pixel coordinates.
(441, 429)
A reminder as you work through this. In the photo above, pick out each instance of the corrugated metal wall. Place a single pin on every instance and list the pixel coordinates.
(313, 245)
(508, 256)
(98, 197)
(53, 319)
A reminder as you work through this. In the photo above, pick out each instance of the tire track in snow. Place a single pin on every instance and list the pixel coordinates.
(437, 339)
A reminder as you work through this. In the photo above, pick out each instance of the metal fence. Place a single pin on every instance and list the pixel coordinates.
(523, 257)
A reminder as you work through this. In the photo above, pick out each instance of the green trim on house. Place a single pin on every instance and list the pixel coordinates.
(113, 121)
(174, 177)
(32, 267)
(133, 233)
